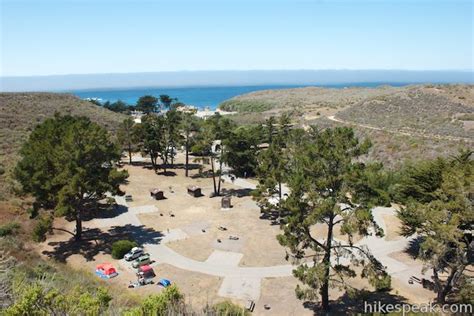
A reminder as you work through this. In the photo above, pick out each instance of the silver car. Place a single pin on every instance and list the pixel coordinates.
(133, 254)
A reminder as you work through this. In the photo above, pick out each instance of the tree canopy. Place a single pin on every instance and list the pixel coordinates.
(128, 136)
(68, 164)
(216, 131)
(438, 207)
(241, 150)
(147, 104)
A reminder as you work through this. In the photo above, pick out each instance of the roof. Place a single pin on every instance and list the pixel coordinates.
(155, 191)
(146, 268)
(193, 187)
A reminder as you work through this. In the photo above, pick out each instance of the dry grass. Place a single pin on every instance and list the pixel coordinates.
(420, 109)
(307, 99)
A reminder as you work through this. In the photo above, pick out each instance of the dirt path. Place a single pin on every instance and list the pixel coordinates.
(423, 135)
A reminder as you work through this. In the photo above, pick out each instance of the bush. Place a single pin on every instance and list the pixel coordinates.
(9, 229)
(168, 302)
(382, 283)
(121, 247)
(43, 225)
(228, 308)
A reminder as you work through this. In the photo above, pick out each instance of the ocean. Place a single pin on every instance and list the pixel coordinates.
(200, 97)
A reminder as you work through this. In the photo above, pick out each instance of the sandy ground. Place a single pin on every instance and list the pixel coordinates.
(394, 225)
(320, 231)
(201, 217)
(199, 289)
(276, 293)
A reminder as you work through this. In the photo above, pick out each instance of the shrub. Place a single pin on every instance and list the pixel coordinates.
(121, 247)
(168, 302)
(246, 106)
(227, 308)
(43, 225)
(382, 283)
(9, 229)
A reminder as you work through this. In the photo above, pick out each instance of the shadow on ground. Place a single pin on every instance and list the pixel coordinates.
(413, 248)
(102, 211)
(95, 241)
(237, 192)
(273, 216)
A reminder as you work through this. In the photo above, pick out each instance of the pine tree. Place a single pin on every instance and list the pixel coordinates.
(127, 136)
(68, 164)
(438, 199)
(322, 177)
(189, 126)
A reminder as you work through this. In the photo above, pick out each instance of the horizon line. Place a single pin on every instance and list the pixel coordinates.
(236, 70)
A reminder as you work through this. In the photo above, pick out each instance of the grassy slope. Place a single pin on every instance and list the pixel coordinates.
(21, 112)
(444, 110)
(309, 98)
(428, 110)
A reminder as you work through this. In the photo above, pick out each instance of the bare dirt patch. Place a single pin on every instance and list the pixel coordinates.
(393, 226)
(320, 231)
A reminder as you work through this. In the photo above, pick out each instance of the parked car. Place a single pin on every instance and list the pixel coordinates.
(146, 271)
(133, 254)
(164, 283)
(142, 260)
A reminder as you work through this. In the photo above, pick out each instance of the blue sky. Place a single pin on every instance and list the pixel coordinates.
(104, 36)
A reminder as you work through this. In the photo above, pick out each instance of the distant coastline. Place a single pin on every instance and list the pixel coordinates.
(201, 97)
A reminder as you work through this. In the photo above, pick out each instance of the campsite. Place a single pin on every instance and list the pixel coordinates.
(186, 247)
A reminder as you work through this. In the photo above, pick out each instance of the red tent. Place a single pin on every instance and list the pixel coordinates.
(106, 269)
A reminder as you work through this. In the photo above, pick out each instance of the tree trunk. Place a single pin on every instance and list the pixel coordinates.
(153, 161)
(279, 201)
(324, 291)
(220, 179)
(78, 224)
(213, 176)
(130, 153)
(443, 291)
(187, 158)
(220, 172)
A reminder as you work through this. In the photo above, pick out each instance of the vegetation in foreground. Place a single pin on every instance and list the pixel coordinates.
(43, 288)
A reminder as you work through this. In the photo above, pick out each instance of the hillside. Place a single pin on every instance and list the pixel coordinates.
(21, 112)
(441, 111)
(403, 122)
(308, 98)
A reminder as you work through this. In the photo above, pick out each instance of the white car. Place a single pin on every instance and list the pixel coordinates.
(133, 254)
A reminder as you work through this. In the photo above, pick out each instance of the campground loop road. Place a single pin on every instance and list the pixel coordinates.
(244, 282)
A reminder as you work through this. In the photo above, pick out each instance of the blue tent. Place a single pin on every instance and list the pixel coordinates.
(164, 282)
